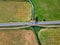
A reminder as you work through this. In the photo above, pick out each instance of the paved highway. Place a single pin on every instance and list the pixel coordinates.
(16, 24)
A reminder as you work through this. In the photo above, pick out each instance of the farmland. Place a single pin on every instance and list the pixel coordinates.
(15, 11)
(12, 11)
(50, 36)
(17, 37)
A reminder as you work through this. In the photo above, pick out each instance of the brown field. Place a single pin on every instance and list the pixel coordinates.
(17, 37)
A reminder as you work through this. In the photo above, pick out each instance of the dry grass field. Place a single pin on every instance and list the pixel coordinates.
(17, 37)
(12, 11)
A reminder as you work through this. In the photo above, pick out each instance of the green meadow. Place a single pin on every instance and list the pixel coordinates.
(47, 9)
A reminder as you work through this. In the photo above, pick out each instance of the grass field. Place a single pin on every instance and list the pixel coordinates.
(13, 11)
(50, 36)
(17, 37)
(47, 9)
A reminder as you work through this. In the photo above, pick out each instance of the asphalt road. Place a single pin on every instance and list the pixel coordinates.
(30, 23)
